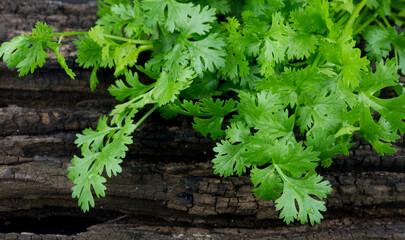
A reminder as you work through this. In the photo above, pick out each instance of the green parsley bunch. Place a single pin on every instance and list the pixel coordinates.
(286, 75)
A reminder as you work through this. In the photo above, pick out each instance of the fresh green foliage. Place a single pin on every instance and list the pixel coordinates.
(208, 114)
(380, 40)
(283, 86)
(27, 52)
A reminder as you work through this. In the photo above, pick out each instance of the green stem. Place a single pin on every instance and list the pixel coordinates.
(134, 99)
(396, 56)
(282, 175)
(385, 20)
(365, 24)
(378, 22)
(361, 16)
(317, 59)
(69, 34)
(146, 116)
(135, 41)
(298, 64)
(341, 14)
(354, 15)
(343, 19)
(145, 48)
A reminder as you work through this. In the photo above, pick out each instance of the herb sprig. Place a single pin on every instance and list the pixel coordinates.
(273, 69)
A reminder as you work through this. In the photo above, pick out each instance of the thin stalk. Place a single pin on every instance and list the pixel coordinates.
(146, 116)
(343, 19)
(145, 48)
(354, 15)
(396, 56)
(282, 175)
(365, 24)
(298, 64)
(317, 59)
(135, 41)
(360, 17)
(385, 20)
(69, 34)
(378, 22)
(341, 14)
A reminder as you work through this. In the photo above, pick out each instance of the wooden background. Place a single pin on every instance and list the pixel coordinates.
(167, 188)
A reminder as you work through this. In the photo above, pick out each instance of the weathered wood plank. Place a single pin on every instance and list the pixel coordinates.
(191, 190)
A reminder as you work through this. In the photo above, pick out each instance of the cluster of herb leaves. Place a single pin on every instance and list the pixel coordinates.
(286, 75)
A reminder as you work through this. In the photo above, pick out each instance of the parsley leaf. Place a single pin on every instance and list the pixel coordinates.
(274, 46)
(325, 143)
(88, 52)
(379, 43)
(191, 18)
(126, 16)
(135, 88)
(323, 110)
(166, 88)
(27, 52)
(177, 48)
(228, 159)
(379, 134)
(209, 115)
(101, 149)
(347, 60)
(308, 25)
(299, 191)
(267, 182)
(221, 6)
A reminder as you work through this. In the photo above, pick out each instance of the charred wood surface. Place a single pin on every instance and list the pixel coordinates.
(167, 188)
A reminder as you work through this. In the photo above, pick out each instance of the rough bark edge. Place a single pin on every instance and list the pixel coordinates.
(346, 228)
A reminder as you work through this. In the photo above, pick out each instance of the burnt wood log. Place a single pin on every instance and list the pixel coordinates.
(167, 188)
